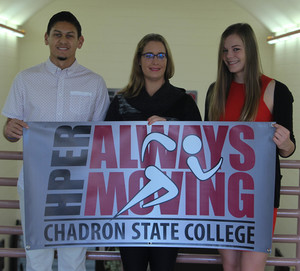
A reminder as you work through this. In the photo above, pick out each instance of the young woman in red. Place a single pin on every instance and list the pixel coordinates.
(242, 93)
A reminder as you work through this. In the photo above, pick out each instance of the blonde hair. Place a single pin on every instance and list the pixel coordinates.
(252, 73)
(136, 79)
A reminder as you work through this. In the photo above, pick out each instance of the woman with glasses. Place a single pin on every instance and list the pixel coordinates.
(149, 96)
(242, 93)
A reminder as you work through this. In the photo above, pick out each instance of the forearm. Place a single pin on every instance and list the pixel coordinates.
(288, 150)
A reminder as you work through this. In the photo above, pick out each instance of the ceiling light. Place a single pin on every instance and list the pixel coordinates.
(17, 32)
(285, 36)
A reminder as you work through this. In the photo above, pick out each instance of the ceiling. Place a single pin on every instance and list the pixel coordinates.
(276, 15)
(19, 11)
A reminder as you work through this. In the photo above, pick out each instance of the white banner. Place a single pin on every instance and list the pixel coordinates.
(181, 184)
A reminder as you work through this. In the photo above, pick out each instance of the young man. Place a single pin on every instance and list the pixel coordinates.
(57, 90)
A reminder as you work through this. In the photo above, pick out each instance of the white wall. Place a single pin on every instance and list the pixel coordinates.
(113, 28)
(8, 68)
(286, 60)
(286, 68)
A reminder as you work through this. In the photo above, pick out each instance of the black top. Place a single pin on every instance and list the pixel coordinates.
(168, 102)
(282, 114)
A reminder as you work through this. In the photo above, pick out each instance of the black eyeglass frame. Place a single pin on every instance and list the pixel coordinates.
(165, 55)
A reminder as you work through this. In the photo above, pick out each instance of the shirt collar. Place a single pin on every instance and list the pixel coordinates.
(56, 70)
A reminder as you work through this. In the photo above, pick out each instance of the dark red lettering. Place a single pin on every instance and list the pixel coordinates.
(125, 148)
(191, 194)
(215, 143)
(246, 160)
(115, 191)
(103, 148)
(236, 198)
(213, 193)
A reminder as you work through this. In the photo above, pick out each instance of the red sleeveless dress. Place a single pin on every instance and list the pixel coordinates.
(234, 106)
(236, 99)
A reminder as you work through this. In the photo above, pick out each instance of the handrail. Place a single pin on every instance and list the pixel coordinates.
(290, 164)
(11, 155)
(10, 204)
(182, 257)
(8, 181)
(12, 230)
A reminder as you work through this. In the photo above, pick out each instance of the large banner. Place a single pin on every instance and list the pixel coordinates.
(181, 184)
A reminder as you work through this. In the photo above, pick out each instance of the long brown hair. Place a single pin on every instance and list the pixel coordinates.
(136, 79)
(252, 73)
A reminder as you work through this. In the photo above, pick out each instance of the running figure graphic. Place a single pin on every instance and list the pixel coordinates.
(192, 144)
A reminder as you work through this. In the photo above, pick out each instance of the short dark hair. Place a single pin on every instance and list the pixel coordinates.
(64, 16)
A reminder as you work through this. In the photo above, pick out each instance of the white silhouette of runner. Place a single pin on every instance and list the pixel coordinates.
(158, 179)
(192, 145)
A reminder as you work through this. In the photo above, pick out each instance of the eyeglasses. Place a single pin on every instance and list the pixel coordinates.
(150, 56)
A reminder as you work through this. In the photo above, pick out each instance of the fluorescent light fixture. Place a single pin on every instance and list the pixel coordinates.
(285, 36)
(16, 32)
